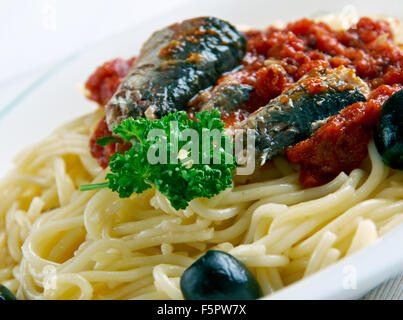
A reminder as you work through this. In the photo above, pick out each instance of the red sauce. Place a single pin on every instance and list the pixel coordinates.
(102, 154)
(314, 86)
(341, 144)
(277, 58)
(103, 83)
(101, 86)
(305, 45)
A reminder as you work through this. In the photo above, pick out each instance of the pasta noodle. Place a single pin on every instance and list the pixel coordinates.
(67, 244)
(57, 242)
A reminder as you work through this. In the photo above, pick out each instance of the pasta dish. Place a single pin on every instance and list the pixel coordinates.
(98, 211)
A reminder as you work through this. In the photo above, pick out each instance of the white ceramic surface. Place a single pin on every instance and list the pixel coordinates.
(54, 99)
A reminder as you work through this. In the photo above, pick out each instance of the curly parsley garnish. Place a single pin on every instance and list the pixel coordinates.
(191, 170)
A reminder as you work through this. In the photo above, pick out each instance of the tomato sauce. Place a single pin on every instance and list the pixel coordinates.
(341, 144)
(275, 59)
(103, 153)
(102, 84)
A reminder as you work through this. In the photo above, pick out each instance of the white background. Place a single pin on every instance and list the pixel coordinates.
(35, 34)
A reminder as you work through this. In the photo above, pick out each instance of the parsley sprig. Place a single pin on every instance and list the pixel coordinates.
(182, 181)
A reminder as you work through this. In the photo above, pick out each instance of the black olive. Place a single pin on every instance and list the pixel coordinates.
(219, 276)
(6, 294)
(389, 131)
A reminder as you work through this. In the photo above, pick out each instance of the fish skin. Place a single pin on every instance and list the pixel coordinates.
(225, 97)
(174, 65)
(296, 114)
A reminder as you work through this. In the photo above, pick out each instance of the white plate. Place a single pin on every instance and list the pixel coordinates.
(54, 100)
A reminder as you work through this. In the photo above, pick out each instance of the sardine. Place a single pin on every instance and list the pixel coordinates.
(224, 97)
(174, 65)
(296, 114)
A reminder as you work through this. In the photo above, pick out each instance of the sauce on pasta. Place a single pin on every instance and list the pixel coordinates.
(57, 242)
(275, 59)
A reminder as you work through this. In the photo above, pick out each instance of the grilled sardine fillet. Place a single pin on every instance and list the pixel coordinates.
(224, 97)
(174, 65)
(296, 113)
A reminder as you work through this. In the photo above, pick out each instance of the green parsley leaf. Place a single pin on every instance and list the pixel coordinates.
(186, 174)
(104, 141)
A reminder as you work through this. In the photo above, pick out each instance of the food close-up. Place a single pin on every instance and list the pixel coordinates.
(87, 213)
